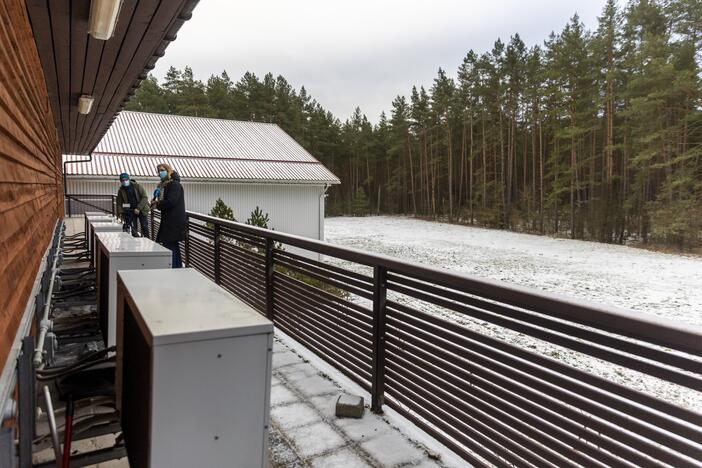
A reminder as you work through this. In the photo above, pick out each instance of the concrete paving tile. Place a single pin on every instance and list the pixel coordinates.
(315, 385)
(345, 458)
(291, 416)
(280, 395)
(363, 429)
(315, 439)
(392, 449)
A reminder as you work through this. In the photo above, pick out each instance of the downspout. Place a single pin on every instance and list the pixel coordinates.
(65, 183)
(320, 223)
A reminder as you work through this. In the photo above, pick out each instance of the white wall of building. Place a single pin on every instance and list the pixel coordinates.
(292, 208)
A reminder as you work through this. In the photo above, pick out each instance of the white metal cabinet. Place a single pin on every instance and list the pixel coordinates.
(193, 372)
(117, 251)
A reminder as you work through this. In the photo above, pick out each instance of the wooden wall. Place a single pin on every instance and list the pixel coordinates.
(31, 189)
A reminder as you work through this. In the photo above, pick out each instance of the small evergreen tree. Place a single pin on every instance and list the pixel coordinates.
(258, 218)
(221, 210)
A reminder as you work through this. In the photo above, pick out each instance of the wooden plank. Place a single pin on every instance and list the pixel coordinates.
(41, 21)
(133, 61)
(93, 60)
(15, 70)
(80, 12)
(110, 54)
(30, 166)
(60, 28)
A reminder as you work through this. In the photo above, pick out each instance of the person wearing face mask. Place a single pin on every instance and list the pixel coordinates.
(133, 204)
(170, 200)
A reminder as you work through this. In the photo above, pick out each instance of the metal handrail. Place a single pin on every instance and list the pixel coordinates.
(484, 397)
(664, 332)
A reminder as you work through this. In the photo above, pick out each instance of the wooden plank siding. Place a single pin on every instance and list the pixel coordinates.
(31, 190)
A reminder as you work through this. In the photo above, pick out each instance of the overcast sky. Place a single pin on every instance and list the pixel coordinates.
(361, 52)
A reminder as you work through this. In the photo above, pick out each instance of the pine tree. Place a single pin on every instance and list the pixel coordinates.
(258, 219)
(221, 210)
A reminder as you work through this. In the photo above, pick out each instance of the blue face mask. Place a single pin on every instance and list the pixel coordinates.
(162, 174)
(125, 183)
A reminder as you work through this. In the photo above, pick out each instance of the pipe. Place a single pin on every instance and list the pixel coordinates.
(65, 183)
(52, 425)
(45, 323)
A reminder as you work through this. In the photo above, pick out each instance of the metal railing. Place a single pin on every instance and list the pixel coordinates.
(443, 349)
(78, 204)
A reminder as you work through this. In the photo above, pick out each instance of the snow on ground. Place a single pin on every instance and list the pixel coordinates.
(669, 286)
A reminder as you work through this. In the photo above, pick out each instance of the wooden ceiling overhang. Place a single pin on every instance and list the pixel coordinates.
(75, 63)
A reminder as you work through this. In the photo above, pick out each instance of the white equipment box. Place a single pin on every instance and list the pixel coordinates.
(91, 218)
(120, 251)
(193, 372)
(95, 227)
(95, 218)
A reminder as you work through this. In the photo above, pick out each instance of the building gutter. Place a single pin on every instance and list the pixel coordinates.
(65, 183)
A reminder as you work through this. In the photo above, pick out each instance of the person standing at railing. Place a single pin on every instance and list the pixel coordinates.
(133, 204)
(169, 198)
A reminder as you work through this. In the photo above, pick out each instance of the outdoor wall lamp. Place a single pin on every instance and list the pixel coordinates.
(103, 18)
(85, 103)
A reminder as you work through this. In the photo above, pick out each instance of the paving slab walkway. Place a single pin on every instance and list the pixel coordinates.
(306, 432)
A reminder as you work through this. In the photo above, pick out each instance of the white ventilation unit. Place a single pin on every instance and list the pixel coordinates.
(193, 372)
(117, 251)
(103, 224)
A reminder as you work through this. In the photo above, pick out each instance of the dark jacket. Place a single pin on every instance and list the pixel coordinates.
(142, 197)
(174, 223)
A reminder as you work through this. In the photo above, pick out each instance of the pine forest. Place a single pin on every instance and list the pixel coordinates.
(592, 134)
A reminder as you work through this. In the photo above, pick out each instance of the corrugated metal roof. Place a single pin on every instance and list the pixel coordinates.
(177, 135)
(201, 148)
(111, 165)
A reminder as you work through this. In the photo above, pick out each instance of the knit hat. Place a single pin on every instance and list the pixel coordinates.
(123, 176)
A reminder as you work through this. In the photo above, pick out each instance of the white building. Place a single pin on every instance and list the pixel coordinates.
(246, 164)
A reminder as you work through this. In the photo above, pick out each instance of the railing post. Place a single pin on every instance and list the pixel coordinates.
(378, 371)
(270, 311)
(68, 197)
(187, 240)
(27, 401)
(217, 248)
(151, 223)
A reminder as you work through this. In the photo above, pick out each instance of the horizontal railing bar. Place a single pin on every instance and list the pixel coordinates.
(531, 391)
(671, 375)
(469, 451)
(349, 369)
(548, 382)
(625, 396)
(529, 405)
(362, 337)
(254, 274)
(510, 433)
(329, 281)
(314, 331)
(323, 272)
(459, 429)
(236, 288)
(640, 326)
(345, 347)
(244, 255)
(251, 288)
(361, 316)
(326, 266)
(471, 306)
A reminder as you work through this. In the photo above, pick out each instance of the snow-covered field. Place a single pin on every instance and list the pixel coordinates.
(666, 285)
